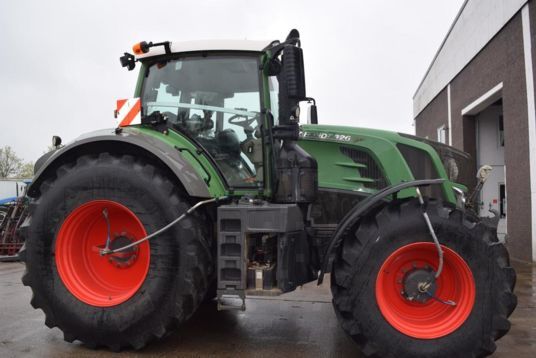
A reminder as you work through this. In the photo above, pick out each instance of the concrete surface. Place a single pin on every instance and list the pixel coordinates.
(300, 324)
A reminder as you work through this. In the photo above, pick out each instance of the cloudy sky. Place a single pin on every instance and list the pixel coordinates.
(60, 73)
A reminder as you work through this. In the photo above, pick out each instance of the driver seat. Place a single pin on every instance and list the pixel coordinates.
(229, 143)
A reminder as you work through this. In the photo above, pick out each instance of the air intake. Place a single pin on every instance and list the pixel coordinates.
(369, 169)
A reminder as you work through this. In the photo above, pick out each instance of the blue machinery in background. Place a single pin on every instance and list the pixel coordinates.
(13, 212)
(8, 200)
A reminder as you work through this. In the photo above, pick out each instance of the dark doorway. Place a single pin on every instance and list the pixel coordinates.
(502, 200)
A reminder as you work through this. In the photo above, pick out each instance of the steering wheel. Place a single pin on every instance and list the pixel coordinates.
(245, 122)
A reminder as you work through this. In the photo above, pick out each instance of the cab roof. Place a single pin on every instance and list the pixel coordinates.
(208, 45)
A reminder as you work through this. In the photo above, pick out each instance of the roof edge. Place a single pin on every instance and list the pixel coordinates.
(209, 45)
(440, 47)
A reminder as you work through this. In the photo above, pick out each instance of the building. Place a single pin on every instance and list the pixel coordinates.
(478, 96)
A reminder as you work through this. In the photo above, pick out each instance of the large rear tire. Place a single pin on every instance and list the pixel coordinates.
(375, 265)
(124, 300)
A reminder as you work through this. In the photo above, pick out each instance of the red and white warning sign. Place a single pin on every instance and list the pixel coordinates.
(128, 112)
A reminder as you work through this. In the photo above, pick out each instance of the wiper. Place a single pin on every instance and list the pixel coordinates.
(203, 107)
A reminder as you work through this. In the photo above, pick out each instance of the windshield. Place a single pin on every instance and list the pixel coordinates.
(216, 101)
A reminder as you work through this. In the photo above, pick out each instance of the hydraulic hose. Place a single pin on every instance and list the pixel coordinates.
(106, 250)
(432, 232)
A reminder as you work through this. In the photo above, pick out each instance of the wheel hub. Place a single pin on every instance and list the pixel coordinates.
(127, 257)
(419, 285)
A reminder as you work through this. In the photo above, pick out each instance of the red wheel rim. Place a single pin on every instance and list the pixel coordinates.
(101, 281)
(431, 319)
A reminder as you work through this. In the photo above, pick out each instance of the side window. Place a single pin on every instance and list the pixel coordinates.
(247, 102)
(163, 96)
(245, 123)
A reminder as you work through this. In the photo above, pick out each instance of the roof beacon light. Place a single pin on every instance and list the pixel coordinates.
(141, 47)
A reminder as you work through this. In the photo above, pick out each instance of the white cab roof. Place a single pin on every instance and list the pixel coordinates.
(209, 45)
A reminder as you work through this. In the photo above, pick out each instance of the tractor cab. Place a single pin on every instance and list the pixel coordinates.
(238, 102)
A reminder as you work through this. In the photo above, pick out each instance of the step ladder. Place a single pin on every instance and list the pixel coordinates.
(235, 223)
(232, 265)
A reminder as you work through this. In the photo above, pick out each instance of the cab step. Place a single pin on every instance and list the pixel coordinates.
(227, 300)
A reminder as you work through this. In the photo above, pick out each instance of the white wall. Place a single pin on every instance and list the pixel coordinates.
(491, 153)
(476, 25)
(8, 188)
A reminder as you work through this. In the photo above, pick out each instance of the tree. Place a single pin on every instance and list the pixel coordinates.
(10, 163)
(26, 170)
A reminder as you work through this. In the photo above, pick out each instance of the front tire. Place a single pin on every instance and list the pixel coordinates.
(373, 266)
(115, 301)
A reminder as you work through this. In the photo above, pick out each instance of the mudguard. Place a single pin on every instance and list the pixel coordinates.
(361, 209)
(169, 156)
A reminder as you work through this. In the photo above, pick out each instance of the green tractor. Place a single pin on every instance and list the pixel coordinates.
(210, 189)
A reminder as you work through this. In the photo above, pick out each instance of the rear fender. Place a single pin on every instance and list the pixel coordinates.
(125, 142)
(361, 210)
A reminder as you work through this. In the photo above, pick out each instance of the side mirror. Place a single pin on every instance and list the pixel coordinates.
(483, 173)
(312, 115)
(293, 71)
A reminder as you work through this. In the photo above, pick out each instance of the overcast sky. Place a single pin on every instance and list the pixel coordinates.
(60, 73)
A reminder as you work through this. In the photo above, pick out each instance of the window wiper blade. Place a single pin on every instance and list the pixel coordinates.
(202, 107)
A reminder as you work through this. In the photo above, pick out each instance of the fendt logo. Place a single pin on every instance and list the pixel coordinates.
(326, 136)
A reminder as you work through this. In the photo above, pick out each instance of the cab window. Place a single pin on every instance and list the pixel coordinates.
(216, 101)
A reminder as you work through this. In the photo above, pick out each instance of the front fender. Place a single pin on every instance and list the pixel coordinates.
(361, 209)
(136, 141)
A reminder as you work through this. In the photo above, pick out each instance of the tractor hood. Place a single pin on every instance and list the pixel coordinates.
(367, 160)
(457, 164)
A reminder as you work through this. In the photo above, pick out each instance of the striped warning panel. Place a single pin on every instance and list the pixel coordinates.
(128, 112)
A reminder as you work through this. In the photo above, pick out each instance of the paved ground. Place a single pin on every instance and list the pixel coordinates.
(301, 324)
